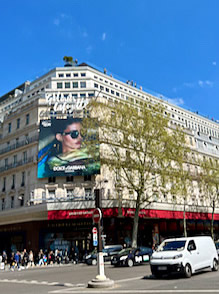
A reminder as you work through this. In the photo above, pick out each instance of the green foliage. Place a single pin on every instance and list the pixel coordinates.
(138, 145)
(68, 59)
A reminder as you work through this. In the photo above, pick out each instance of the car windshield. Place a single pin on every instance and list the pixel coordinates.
(125, 251)
(172, 245)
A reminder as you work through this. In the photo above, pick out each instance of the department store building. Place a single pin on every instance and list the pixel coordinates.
(56, 212)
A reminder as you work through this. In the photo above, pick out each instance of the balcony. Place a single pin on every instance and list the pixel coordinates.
(20, 144)
(19, 163)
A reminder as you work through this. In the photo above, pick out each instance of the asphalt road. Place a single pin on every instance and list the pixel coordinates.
(74, 278)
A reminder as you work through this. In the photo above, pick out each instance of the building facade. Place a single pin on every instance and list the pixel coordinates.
(56, 212)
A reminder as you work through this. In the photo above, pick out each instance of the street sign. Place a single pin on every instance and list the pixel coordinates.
(97, 215)
(95, 241)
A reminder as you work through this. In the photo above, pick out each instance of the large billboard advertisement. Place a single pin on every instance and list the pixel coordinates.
(66, 148)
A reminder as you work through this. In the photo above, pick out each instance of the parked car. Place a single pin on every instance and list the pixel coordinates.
(132, 256)
(108, 252)
(185, 256)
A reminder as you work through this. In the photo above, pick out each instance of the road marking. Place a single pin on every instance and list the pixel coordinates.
(115, 290)
(131, 279)
(67, 285)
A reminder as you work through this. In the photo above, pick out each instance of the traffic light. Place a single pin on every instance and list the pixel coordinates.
(97, 194)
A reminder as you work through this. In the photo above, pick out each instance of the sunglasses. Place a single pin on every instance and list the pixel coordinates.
(73, 134)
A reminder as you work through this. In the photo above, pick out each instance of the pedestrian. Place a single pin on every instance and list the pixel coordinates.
(31, 259)
(25, 258)
(17, 259)
(40, 257)
(12, 261)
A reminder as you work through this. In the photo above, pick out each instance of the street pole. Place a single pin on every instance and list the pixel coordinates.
(100, 281)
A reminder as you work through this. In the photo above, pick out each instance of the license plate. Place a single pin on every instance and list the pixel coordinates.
(162, 268)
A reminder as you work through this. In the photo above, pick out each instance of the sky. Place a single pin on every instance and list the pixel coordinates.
(169, 47)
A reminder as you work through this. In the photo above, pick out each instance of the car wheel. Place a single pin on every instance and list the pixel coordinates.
(215, 265)
(130, 262)
(188, 271)
(94, 262)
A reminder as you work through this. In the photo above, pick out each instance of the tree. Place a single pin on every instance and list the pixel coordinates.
(210, 185)
(138, 145)
(182, 188)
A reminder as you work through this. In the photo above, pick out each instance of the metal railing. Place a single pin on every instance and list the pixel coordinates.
(20, 144)
(73, 198)
(18, 163)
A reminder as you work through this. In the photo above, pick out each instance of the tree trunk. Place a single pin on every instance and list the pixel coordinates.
(184, 221)
(212, 220)
(135, 226)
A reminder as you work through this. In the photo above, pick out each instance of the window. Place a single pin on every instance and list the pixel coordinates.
(88, 194)
(75, 84)
(25, 156)
(75, 95)
(95, 85)
(52, 194)
(67, 85)
(68, 75)
(112, 92)
(4, 184)
(61, 75)
(59, 85)
(82, 95)
(83, 84)
(90, 94)
(3, 203)
(70, 179)
(191, 245)
(87, 178)
(26, 139)
(12, 202)
(107, 90)
(75, 75)
(51, 179)
(101, 88)
(21, 198)
(13, 182)
(9, 128)
(27, 119)
(15, 159)
(6, 162)
(83, 74)
(18, 123)
(70, 193)
(23, 179)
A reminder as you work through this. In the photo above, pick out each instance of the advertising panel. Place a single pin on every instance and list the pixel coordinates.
(67, 149)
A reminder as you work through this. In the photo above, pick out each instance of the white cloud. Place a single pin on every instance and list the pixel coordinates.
(189, 85)
(176, 101)
(205, 83)
(89, 49)
(85, 34)
(214, 63)
(103, 36)
(209, 83)
(201, 83)
(56, 22)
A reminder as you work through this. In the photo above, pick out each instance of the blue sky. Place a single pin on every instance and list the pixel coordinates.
(169, 47)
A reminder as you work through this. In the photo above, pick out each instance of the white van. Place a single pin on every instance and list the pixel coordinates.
(184, 255)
